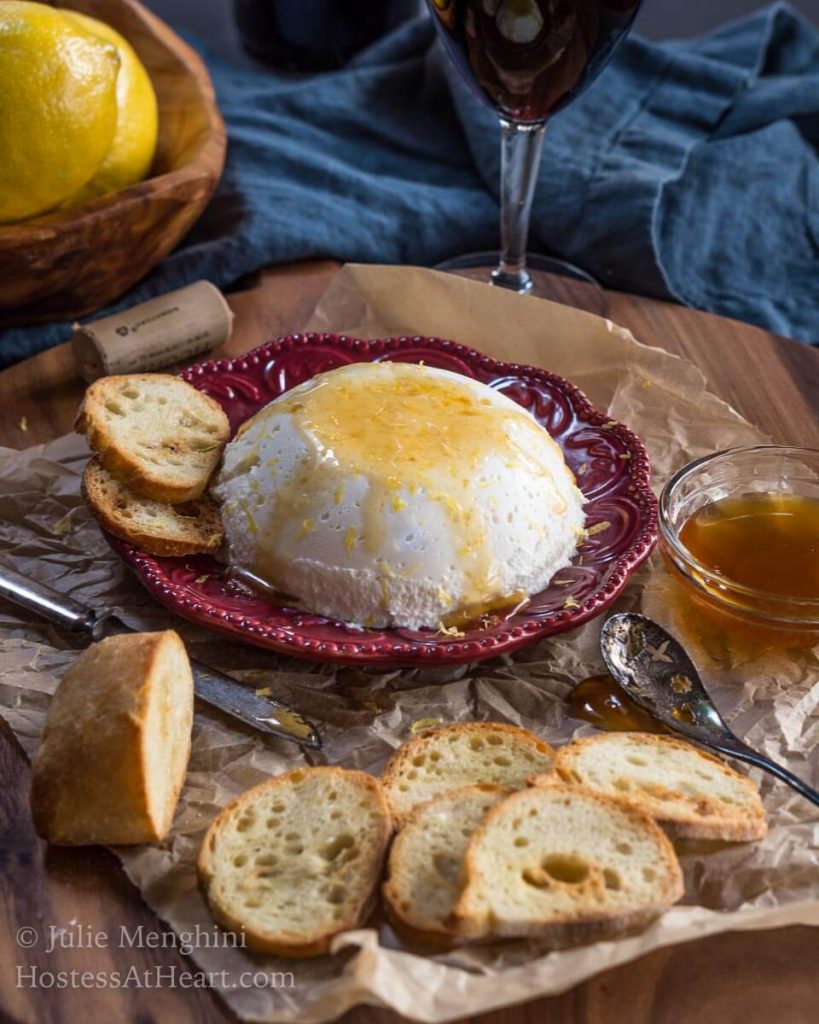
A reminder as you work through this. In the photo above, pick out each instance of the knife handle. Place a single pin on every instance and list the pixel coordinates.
(57, 608)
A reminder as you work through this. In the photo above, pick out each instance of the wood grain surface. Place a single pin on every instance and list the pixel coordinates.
(45, 269)
(765, 977)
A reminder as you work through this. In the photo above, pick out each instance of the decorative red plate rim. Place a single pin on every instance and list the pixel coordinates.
(395, 647)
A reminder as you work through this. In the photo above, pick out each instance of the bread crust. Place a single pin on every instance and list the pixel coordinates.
(443, 937)
(124, 462)
(91, 775)
(436, 939)
(402, 758)
(689, 822)
(581, 927)
(201, 533)
(284, 943)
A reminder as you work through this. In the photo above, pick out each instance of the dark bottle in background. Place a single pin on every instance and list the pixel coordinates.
(316, 35)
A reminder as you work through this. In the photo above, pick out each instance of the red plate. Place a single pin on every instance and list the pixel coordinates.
(609, 460)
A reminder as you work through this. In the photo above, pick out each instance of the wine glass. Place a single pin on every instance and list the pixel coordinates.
(527, 59)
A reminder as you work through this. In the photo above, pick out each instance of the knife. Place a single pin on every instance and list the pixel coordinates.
(266, 714)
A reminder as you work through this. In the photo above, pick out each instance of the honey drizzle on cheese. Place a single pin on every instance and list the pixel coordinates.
(405, 430)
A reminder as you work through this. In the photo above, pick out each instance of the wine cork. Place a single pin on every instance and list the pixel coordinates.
(165, 330)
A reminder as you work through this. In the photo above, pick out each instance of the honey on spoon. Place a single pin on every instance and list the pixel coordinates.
(656, 672)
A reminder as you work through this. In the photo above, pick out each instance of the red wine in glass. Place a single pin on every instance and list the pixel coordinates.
(527, 59)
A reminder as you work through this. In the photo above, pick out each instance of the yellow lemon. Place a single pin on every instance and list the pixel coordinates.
(132, 150)
(58, 107)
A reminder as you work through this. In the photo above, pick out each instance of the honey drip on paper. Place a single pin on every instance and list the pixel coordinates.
(767, 542)
(600, 701)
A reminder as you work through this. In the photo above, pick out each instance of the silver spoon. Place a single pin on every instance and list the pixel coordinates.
(656, 672)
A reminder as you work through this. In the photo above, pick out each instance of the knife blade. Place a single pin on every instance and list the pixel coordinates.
(264, 713)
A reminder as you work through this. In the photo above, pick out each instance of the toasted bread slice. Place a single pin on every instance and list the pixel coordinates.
(155, 432)
(565, 865)
(112, 760)
(695, 795)
(426, 861)
(296, 860)
(462, 754)
(152, 526)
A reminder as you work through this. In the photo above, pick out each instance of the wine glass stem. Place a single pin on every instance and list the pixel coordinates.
(521, 146)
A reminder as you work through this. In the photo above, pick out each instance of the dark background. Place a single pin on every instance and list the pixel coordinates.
(212, 20)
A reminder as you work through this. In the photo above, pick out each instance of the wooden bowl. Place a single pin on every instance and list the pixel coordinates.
(68, 263)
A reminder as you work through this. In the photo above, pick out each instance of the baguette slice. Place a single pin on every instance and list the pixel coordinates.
(112, 760)
(566, 865)
(296, 860)
(155, 432)
(459, 755)
(426, 861)
(695, 795)
(152, 526)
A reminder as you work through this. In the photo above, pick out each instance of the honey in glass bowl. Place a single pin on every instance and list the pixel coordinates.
(768, 543)
(740, 534)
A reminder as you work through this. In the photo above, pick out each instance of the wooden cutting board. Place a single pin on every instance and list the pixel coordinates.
(753, 978)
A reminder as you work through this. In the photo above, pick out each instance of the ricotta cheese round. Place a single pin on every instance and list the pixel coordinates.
(392, 494)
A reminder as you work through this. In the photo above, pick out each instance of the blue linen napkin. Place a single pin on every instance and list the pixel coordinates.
(687, 171)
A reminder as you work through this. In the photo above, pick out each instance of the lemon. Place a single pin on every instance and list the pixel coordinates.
(58, 107)
(132, 151)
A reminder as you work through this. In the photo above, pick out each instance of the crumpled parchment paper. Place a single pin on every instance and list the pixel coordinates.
(46, 532)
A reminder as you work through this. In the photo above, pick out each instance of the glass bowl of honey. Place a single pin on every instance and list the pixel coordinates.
(739, 531)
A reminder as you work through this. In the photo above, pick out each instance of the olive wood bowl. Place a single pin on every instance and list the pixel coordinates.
(71, 262)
